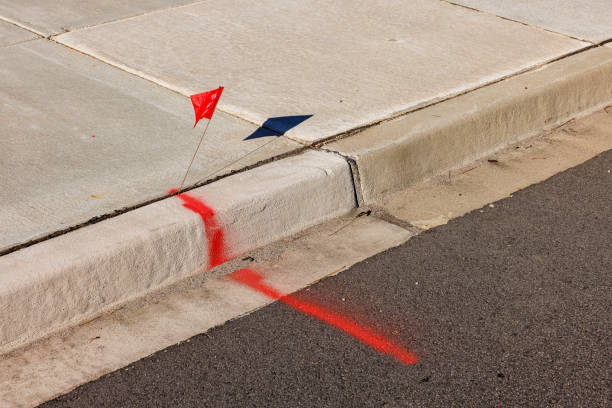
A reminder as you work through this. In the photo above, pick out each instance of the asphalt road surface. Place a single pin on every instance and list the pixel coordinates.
(508, 306)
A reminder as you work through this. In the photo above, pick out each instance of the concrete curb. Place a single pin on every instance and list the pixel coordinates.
(397, 153)
(74, 277)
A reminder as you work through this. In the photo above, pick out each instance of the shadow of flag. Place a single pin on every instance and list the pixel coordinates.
(277, 126)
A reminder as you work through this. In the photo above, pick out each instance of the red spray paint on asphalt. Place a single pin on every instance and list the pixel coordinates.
(252, 279)
(248, 277)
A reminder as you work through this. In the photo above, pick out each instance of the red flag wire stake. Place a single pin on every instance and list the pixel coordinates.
(194, 154)
(204, 105)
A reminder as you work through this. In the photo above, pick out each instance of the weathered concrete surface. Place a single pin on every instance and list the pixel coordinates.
(401, 152)
(348, 63)
(11, 34)
(33, 375)
(68, 279)
(441, 199)
(82, 139)
(589, 20)
(52, 17)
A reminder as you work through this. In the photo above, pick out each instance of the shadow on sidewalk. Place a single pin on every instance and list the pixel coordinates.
(277, 126)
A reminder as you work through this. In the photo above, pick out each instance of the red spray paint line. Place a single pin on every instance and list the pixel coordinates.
(252, 279)
(214, 233)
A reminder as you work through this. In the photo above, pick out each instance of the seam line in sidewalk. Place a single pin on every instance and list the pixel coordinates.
(20, 42)
(162, 84)
(48, 36)
(17, 24)
(519, 22)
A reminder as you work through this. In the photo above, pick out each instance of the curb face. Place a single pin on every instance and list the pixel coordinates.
(421, 144)
(69, 279)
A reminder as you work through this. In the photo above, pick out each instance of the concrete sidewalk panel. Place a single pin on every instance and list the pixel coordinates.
(82, 139)
(52, 17)
(589, 20)
(400, 152)
(11, 34)
(74, 277)
(347, 63)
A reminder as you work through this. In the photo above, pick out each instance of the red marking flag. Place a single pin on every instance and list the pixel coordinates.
(204, 103)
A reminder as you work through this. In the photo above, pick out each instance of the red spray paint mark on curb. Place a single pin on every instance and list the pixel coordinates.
(214, 233)
(248, 277)
(252, 279)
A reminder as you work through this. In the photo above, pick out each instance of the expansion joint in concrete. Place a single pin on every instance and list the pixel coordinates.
(157, 82)
(516, 21)
(355, 179)
(382, 214)
(15, 23)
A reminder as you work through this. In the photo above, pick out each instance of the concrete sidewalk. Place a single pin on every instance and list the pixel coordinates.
(96, 119)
